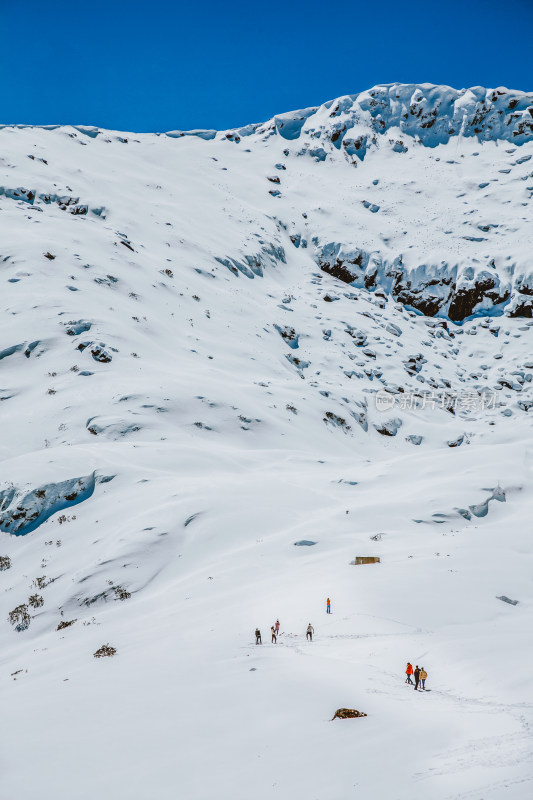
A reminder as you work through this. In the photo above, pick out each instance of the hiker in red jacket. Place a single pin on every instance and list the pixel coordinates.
(409, 672)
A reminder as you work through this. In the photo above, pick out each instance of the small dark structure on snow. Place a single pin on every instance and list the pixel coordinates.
(366, 560)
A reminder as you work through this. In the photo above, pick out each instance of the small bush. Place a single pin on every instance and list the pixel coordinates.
(105, 650)
(36, 601)
(20, 617)
(5, 563)
(121, 593)
(65, 624)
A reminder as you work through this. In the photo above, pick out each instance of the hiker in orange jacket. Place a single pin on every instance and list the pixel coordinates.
(409, 672)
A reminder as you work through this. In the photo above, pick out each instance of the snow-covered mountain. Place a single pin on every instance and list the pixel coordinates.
(215, 345)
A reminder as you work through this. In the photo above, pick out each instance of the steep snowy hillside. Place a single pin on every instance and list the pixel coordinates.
(215, 346)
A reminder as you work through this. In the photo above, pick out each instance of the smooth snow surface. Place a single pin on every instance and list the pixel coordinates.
(186, 394)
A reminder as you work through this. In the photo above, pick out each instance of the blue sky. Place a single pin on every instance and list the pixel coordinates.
(147, 66)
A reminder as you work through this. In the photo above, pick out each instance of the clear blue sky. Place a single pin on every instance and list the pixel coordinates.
(152, 66)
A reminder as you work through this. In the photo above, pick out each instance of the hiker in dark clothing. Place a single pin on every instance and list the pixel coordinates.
(273, 632)
(417, 677)
(258, 636)
(310, 631)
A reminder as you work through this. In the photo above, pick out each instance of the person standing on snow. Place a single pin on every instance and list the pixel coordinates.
(417, 677)
(310, 631)
(274, 636)
(277, 627)
(409, 672)
(328, 606)
(423, 676)
(258, 636)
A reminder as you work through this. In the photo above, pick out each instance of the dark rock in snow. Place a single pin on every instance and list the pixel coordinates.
(9, 351)
(336, 421)
(21, 514)
(75, 328)
(482, 509)
(347, 713)
(456, 442)
(507, 600)
(389, 428)
(464, 300)
(288, 334)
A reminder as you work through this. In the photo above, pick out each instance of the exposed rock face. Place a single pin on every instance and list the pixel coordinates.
(432, 114)
(522, 303)
(22, 513)
(400, 118)
(433, 291)
(389, 124)
(389, 428)
(464, 300)
(506, 599)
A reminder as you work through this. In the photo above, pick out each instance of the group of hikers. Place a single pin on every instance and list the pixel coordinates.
(418, 673)
(274, 629)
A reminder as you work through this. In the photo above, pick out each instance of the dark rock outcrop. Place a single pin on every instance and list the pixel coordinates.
(347, 713)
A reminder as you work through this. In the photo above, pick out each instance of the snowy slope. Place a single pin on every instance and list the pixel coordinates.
(214, 346)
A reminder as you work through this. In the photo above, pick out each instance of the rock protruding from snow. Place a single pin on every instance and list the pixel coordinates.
(22, 513)
(506, 599)
(347, 713)
(429, 114)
